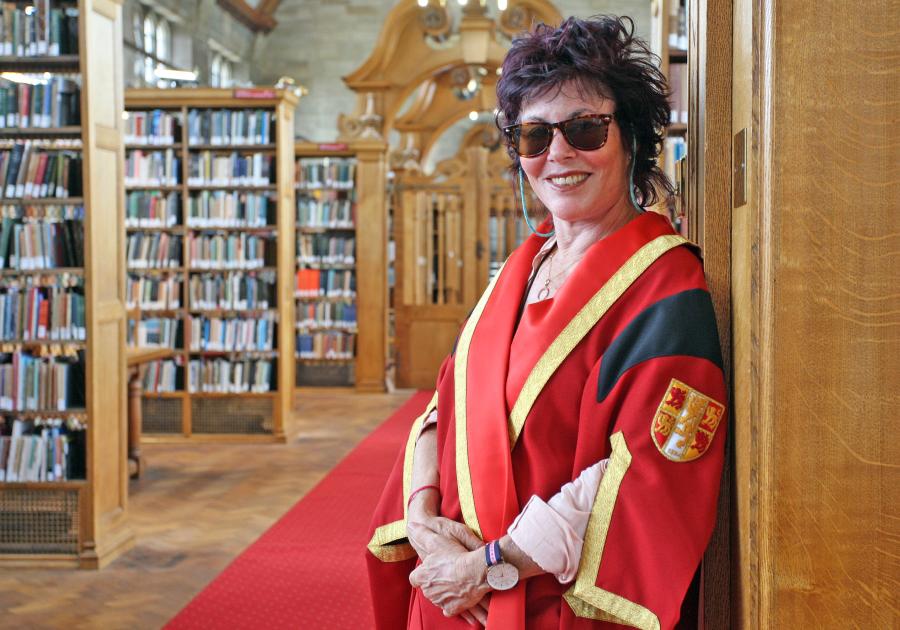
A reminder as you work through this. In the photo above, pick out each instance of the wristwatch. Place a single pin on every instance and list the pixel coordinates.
(501, 576)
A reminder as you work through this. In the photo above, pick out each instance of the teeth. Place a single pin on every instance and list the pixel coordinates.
(571, 180)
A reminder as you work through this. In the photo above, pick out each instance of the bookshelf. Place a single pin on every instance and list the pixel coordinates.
(669, 40)
(325, 280)
(210, 214)
(341, 264)
(64, 493)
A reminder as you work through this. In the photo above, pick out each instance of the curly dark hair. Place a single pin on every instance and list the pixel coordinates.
(601, 56)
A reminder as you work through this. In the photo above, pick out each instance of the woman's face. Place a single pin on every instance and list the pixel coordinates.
(576, 185)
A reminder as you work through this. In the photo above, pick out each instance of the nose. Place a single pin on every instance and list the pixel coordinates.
(559, 147)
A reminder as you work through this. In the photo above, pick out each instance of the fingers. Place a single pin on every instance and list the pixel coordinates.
(422, 538)
(455, 531)
(415, 578)
(479, 612)
(469, 618)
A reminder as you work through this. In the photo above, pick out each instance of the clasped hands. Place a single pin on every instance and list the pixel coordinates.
(452, 574)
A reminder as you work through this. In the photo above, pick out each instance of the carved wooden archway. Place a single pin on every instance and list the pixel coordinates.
(420, 44)
(417, 82)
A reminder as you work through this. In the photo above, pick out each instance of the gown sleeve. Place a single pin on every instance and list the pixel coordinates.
(661, 382)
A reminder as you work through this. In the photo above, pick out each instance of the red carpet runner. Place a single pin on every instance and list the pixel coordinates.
(308, 570)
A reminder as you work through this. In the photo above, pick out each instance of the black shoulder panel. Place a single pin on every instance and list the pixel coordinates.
(682, 324)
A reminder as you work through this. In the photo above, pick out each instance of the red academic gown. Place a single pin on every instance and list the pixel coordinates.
(623, 363)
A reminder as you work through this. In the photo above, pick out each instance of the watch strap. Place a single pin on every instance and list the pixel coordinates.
(492, 553)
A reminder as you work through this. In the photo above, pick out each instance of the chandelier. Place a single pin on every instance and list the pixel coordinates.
(501, 4)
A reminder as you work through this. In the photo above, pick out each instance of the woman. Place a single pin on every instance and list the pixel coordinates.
(566, 471)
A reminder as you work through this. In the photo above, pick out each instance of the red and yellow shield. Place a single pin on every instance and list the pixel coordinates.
(685, 422)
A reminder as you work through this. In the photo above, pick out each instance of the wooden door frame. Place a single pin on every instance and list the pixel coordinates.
(709, 201)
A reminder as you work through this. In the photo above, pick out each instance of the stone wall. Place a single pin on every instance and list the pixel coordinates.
(319, 41)
(194, 24)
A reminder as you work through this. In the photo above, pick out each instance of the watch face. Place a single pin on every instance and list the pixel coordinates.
(502, 577)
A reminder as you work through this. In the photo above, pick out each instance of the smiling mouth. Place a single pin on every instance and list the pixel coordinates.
(568, 180)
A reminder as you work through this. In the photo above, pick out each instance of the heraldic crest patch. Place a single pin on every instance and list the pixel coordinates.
(685, 422)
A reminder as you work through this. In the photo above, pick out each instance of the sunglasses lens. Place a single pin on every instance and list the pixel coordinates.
(533, 138)
(586, 134)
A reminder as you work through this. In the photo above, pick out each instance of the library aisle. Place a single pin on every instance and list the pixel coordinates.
(195, 509)
(238, 235)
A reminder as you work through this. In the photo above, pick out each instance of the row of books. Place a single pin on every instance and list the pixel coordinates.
(327, 315)
(218, 334)
(152, 209)
(155, 127)
(29, 170)
(227, 251)
(229, 126)
(326, 345)
(158, 250)
(235, 291)
(162, 376)
(150, 293)
(337, 283)
(324, 248)
(234, 169)
(678, 95)
(41, 244)
(234, 377)
(45, 211)
(35, 29)
(42, 103)
(41, 451)
(154, 333)
(676, 149)
(678, 32)
(328, 212)
(34, 383)
(42, 313)
(315, 173)
(153, 168)
(220, 208)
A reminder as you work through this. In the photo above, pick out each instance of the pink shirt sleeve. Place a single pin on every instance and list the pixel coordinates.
(552, 532)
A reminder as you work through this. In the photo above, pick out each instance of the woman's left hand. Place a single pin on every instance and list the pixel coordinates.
(451, 576)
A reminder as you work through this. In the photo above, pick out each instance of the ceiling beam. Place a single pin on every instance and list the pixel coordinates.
(254, 19)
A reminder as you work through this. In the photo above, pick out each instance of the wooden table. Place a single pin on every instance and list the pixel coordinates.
(135, 357)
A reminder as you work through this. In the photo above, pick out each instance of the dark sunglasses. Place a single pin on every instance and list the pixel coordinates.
(585, 133)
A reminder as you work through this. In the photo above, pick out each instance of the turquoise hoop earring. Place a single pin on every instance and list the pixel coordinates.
(634, 202)
(525, 210)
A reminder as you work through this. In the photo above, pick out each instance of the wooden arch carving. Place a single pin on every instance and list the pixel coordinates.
(419, 48)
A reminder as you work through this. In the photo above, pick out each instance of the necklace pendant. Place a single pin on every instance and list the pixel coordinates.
(544, 293)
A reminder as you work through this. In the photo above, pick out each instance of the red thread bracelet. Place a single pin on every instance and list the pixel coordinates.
(418, 490)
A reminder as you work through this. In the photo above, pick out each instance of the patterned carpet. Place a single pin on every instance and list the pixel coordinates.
(308, 570)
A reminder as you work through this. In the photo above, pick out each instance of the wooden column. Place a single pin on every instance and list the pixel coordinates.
(105, 531)
(709, 199)
(371, 265)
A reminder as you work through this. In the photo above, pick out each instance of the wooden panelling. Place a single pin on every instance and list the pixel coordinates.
(820, 461)
(709, 194)
(371, 269)
(743, 547)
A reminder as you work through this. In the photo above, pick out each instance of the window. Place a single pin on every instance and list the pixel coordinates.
(215, 74)
(152, 35)
(137, 28)
(149, 34)
(225, 74)
(163, 41)
(220, 72)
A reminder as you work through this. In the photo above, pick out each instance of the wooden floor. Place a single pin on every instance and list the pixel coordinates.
(195, 508)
